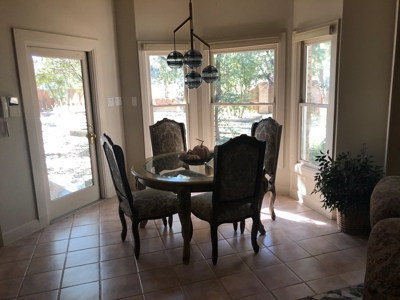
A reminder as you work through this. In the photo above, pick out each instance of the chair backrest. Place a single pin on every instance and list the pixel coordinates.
(270, 131)
(238, 166)
(167, 136)
(116, 162)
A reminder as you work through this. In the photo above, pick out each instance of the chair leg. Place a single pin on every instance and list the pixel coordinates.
(136, 238)
(242, 225)
(235, 226)
(272, 203)
(143, 224)
(191, 229)
(170, 220)
(164, 220)
(254, 231)
(214, 242)
(123, 222)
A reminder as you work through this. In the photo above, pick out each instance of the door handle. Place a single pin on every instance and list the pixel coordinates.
(90, 135)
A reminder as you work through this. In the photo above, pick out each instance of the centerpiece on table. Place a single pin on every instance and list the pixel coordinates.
(199, 155)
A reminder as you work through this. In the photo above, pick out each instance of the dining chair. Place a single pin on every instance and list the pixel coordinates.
(238, 172)
(168, 136)
(147, 204)
(268, 130)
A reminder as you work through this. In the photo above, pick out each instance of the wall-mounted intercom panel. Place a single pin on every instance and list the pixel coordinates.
(10, 107)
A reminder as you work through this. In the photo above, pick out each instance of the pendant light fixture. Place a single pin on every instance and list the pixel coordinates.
(192, 59)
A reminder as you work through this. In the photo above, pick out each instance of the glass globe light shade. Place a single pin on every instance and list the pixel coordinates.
(193, 80)
(210, 74)
(193, 59)
(175, 60)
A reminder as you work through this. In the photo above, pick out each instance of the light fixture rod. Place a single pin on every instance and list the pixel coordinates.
(191, 24)
(205, 43)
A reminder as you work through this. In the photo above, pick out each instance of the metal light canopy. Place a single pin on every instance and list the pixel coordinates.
(192, 59)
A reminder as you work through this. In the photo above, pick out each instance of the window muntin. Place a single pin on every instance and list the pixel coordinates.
(315, 105)
(245, 92)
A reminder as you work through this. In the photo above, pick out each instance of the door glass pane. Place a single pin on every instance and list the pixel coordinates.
(64, 126)
(245, 77)
(318, 62)
(313, 135)
(227, 124)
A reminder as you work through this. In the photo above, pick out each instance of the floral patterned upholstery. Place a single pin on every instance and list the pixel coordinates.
(237, 187)
(382, 276)
(168, 136)
(148, 204)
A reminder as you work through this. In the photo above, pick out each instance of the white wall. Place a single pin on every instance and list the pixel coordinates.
(89, 19)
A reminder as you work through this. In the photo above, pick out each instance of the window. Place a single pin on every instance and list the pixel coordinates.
(245, 92)
(316, 77)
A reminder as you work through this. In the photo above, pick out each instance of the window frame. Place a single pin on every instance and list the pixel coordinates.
(302, 39)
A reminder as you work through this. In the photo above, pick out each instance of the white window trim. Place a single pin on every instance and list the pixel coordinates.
(199, 100)
(279, 44)
(311, 35)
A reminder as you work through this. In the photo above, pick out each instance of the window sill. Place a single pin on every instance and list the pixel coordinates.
(306, 170)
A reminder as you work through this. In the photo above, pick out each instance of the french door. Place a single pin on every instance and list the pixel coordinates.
(60, 78)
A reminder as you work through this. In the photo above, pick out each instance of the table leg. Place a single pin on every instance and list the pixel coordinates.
(184, 212)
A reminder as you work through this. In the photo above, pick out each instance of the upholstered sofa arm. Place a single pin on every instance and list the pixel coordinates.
(385, 200)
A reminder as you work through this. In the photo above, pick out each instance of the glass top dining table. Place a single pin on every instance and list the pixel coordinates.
(168, 172)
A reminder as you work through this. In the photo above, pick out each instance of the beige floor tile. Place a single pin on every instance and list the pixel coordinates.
(88, 291)
(353, 277)
(262, 296)
(150, 231)
(175, 255)
(309, 269)
(13, 269)
(193, 272)
(204, 235)
(289, 252)
(159, 279)
(300, 232)
(110, 226)
(9, 288)
(273, 238)
(55, 235)
(116, 251)
(120, 287)
(277, 276)
(264, 258)
(242, 243)
(317, 245)
(64, 223)
(10, 254)
(41, 282)
(114, 237)
(151, 245)
(343, 241)
(85, 242)
(224, 248)
(31, 239)
(85, 230)
(339, 262)
(153, 260)
(172, 240)
(176, 228)
(82, 257)
(46, 264)
(293, 292)
(326, 284)
(242, 284)
(228, 265)
(175, 293)
(227, 231)
(51, 295)
(209, 289)
(80, 275)
(358, 253)
(51, 248)
(86, 219)
(118, 267)
(108, 217)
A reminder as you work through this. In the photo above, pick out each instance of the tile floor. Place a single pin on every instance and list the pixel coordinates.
(82, 257)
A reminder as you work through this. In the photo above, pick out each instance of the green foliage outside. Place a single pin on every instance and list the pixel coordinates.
(60, 77)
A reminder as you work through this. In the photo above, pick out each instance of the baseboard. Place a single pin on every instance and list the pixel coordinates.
(20, 232)
(312, 203)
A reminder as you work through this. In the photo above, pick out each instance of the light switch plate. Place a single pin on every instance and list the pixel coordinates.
(118, 101)
(110, 101)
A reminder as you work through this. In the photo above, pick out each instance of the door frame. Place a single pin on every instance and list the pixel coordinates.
(24, 39)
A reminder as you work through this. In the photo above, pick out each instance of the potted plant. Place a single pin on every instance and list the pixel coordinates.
(346, 185)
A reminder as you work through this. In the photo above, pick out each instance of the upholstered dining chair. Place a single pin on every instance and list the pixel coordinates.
(147, 204)
(238, 172)
(270, 131)
(168, 136)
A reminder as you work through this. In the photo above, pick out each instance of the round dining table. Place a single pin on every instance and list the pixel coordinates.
(169, 173)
